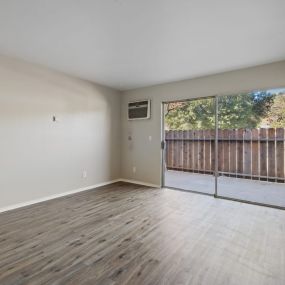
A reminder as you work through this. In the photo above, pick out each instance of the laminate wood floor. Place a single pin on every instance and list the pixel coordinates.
(130, 234)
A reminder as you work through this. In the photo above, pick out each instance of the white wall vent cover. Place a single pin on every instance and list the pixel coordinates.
(139, 110)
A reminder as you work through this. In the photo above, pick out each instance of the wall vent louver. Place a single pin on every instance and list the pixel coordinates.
(139, 110)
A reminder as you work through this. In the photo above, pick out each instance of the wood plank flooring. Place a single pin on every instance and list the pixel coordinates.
(130, 234)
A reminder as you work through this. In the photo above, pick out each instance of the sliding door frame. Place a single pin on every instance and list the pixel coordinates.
(163, 168)
(216, 174)
(216, 144)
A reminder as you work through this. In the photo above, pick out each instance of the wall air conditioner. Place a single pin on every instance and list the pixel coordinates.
(139, 110)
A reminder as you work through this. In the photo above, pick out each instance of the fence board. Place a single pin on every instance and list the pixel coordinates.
(263, 152)
(172, 149)
(233, 151)
(247, 153)
(220, 151)
(271, 153)
(175, 149)
(280, 153)
(196, 150)
(180, 149)
(240, 152)
(213, 146)
(190, 146)
(255, 153)
(201, 157)
(184, 150)
(167, 145)
(226, 156)
(169, 142)
(207, 153)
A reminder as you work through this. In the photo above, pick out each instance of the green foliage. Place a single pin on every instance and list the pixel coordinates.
(236, 111)
(196, 114)
(276, 115)
(244, 110)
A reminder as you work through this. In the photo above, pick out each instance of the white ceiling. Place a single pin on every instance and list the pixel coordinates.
(133, 43)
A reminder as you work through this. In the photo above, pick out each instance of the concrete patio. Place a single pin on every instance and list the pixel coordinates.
(251, 190)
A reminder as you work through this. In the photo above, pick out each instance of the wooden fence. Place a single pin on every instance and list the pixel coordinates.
(245, 153)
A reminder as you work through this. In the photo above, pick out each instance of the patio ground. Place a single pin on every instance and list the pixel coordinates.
(244, 189)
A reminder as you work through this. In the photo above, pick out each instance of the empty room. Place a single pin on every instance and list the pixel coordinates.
(142, 142)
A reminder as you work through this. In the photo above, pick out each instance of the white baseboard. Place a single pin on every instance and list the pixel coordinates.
(140, 183)
(50, 197)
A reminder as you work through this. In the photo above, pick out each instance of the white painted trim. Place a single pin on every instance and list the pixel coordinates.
(140, 183)
(46, 198)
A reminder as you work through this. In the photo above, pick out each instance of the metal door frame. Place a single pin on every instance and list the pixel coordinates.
(216, 174)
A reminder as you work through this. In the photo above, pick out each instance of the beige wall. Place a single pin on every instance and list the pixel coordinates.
(144, 154)
(39, 157)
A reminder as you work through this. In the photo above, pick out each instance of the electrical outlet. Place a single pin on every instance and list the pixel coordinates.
(134, 169)
(84, 174)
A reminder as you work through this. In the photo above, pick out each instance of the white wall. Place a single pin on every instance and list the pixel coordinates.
(39, 157)
(145, 154)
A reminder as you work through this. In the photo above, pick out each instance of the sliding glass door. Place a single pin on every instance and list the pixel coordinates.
(251, 147)
(189, 133)
(232, 146)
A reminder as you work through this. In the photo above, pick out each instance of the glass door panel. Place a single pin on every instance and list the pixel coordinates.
(189, 131)
(251, 147)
